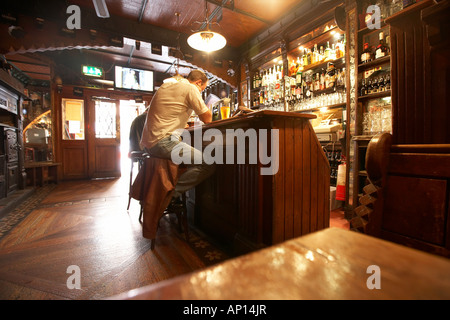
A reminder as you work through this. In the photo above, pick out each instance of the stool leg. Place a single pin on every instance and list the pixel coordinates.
(184, 218)
(152, 244)
(131, 182)
(141, 212)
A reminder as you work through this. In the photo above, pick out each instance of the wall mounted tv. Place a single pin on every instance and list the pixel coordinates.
(133, 79)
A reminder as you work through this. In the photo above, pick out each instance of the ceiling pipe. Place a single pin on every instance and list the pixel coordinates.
(141, 14)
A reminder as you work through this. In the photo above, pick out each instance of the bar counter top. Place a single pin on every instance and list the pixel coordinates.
(328, 264)
(255, 115)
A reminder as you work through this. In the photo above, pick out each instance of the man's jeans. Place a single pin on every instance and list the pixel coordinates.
(194, 174)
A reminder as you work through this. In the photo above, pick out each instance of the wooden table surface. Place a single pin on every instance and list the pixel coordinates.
(328, 264)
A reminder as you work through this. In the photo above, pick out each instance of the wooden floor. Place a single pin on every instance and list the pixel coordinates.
(86, 224)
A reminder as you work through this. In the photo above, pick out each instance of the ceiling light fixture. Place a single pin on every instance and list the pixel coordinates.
(101, 9)
(207, 40)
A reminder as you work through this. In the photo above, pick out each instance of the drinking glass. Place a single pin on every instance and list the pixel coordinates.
(225, 112)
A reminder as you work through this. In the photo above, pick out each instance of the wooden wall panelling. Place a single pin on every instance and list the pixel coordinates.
(419, 81)
(413, 194)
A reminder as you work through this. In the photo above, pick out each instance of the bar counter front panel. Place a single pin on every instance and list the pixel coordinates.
(245, 210)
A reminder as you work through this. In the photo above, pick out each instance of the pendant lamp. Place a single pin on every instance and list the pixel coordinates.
(207, 40)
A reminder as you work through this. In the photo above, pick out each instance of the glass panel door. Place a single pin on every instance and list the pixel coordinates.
(105, 120)
(73, 119)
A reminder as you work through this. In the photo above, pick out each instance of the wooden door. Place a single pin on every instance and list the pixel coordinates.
(73, 139)
(104, 139)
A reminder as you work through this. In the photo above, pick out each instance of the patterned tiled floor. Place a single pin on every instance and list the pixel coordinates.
(12, 217)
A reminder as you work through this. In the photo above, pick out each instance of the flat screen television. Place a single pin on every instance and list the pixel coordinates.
(133, 79)
(35, 135)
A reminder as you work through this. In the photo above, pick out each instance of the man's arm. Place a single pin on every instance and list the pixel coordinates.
(206, 117)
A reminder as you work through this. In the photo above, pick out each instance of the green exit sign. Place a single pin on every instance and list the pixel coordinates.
(92, 71)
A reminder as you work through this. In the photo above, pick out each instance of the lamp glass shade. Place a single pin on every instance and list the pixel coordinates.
(207, 41)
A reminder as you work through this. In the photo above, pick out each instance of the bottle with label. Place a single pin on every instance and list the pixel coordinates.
(309, 57)
(375, 85)
(338, 50)
(363, 89)
(333, 52)
(381, 84)
(298, 78)
(305, 58)
(381, 50)
(388, 82)
(366, 55)
(322, 80)
(316, 57)
(317, 82)
(369, 87)
(331, 71)
(327, 52)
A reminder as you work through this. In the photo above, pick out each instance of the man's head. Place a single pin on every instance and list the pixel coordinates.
(198, 78)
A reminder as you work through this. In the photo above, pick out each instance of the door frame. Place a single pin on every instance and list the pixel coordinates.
(100, 148)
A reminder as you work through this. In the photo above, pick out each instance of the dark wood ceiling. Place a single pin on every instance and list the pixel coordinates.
(159, 22)
(241, 19)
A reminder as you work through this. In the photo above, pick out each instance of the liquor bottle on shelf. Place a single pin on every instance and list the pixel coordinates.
(375, 85)
(305, 57)
(340, 48)
(369, 87)
(363, 89)
(333, 52)
(381, 87)
(299, 65)
(388, 82)
(331, 71)
(317, 82)
(366, 55)
(327, 52)
(322, 80)
(315, 54)
(309, 57)
(298, 77)
(381, 50)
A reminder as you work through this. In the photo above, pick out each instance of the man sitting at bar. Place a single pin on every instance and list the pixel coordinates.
(169, 111)
(136, 128)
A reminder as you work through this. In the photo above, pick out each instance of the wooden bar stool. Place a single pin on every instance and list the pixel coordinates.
(154, 187)
(180, 210)
(135, 157)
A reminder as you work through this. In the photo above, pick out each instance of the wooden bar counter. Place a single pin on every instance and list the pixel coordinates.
(331, 264)
(245, 209)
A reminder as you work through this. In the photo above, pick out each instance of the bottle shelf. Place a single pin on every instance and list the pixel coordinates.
(334, 106)
(375, 63)
(366, 30)
(328, 90)
(322, 64)
(381, 94)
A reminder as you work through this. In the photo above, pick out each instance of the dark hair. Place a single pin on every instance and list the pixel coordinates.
(195, 75)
